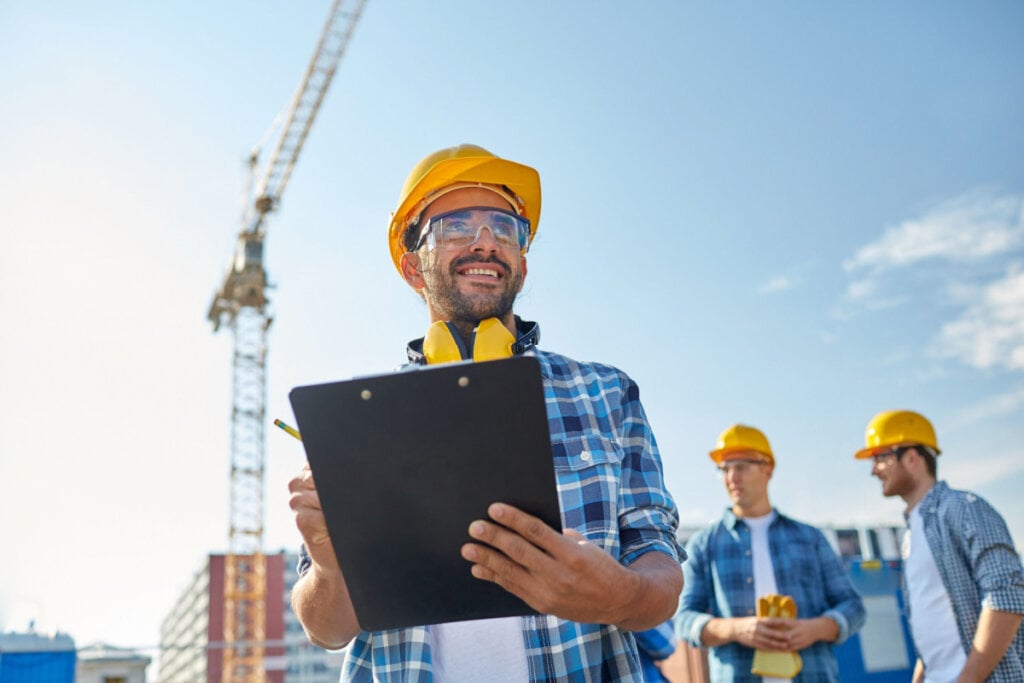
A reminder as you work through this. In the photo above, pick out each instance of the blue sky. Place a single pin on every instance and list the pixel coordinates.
(792, 215)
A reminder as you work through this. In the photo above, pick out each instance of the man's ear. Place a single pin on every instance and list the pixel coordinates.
(918, 459)
(411, 270)
(522, 264)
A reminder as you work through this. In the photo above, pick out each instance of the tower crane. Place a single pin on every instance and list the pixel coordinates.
(241, 304)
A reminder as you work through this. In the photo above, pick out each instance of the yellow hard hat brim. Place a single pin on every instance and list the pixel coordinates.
(719, 454)
(865, 453)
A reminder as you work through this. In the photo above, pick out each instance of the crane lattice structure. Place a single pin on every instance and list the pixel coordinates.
(241, 304)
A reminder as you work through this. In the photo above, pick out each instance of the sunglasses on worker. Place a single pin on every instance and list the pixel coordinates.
(463, 227)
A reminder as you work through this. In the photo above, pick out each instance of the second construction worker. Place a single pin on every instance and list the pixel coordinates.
(963, 577)
(755, 551)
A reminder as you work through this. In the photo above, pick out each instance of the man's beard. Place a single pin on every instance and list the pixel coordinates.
(457, 306)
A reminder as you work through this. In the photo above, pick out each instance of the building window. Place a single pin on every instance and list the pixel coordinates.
(849, 543)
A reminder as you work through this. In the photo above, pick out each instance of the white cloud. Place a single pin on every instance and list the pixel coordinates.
(977, 472)
(779, 283)
(994, 406)
(990, 332)
(865, 292)
(972, 226)
(858, 290)
(978, 229)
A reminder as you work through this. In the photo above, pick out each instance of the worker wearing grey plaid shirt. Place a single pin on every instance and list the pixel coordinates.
(964, 580)
(459, 238)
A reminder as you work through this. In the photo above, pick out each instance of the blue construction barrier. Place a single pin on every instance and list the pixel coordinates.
(882, 651)
(45, 666)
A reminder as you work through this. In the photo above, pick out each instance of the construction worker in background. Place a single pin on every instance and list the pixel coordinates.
(755, 551)
(459, 238)
(964, 581)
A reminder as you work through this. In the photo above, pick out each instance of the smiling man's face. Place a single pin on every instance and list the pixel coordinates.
(469, 284)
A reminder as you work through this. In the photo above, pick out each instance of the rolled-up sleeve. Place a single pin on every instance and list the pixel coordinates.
(997, 565)
(648, 518)
(845, 605)
(695, 601)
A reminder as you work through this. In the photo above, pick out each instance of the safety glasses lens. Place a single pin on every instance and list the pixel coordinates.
(463, 227)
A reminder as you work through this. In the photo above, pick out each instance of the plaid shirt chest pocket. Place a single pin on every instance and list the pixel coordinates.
(588, 468)
(799, 573)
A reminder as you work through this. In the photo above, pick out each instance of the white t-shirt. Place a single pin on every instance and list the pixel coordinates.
(932, 622)
(764, 570)
(481, 650)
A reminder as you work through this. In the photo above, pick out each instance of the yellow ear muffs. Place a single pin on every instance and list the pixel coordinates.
(491, 341)
(442, 344)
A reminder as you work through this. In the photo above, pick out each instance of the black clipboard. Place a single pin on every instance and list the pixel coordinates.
(404, 462)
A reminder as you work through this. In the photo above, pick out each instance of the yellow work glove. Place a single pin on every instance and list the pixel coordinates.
(776, 664)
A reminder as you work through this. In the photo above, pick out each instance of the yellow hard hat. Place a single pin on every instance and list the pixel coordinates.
(741, 438)
(457, 165)
(892, 427)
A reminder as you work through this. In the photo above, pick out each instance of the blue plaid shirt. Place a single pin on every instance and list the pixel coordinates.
(978, 565)
(655, 645)
(611, 490)
(719, 582)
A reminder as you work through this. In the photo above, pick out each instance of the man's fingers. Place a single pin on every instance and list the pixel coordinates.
(303, 481)
(777, 624)
(574, 535)
(513, 546)
(527, 526)
(302, 498)
(771, 634)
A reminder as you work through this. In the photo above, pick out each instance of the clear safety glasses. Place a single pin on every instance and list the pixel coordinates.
(888, 456)
(739, 466)
(463, 227)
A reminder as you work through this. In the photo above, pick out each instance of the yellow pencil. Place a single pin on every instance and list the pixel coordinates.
(291, 430)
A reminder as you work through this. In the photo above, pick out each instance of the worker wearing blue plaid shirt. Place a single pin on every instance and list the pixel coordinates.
(459, 238)
(963, 577)
(754, 551)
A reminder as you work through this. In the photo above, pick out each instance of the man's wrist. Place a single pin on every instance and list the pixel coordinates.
(826, 629)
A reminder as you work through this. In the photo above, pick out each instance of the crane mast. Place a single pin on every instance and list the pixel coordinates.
(241, 304)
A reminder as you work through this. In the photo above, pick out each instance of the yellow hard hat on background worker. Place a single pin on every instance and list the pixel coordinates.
(894, 428)
(462, 166)
(741, 438)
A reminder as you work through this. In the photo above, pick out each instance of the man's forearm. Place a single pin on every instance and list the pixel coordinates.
(718, 631)
(918, 676)
(996, 631)
(322, 604)
(659, 582)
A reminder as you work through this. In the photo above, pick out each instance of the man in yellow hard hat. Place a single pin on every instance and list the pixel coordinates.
(755, 551)
(459, 238)
(964, 580)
